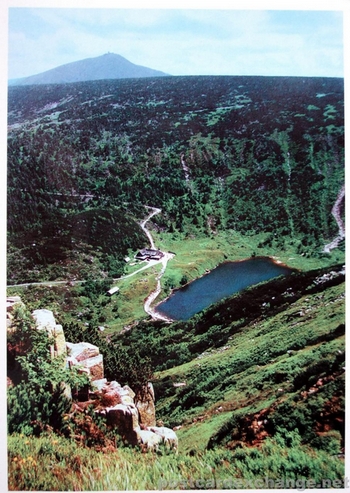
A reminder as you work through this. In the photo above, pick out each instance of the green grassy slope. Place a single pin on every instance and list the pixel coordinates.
(284, 370)
(52, 463)
(269, 403)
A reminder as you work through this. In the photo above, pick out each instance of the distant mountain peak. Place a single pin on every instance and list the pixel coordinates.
(106, 66)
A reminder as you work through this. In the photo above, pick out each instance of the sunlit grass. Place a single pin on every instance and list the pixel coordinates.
(132, 294)
(257, 365)
(52, 463)
(196, 254)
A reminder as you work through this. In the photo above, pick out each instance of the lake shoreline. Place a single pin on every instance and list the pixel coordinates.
(274, 261)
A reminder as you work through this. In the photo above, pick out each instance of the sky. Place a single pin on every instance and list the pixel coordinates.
(180, 41)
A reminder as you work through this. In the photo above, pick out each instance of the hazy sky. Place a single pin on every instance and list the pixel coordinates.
(179, 41)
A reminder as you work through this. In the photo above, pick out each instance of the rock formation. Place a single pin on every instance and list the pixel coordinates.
(45, 320)
(11, 302)
(87, 358)
(117, 404)
(133, 416)
(145, 406)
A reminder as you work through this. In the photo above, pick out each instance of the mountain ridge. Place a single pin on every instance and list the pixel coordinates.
(107, 66)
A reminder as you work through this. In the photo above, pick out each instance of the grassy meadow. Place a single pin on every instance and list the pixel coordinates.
(50, 463)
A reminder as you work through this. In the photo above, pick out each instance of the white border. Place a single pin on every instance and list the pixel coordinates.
(331, 5)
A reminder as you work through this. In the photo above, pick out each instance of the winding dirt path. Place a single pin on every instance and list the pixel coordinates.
(164, 261)
(337, 216)
(150, 299)
(154, 294)
(143, 224)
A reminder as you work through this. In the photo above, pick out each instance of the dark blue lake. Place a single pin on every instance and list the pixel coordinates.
(226, 279)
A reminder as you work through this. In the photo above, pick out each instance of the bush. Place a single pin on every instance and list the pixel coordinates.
(127, 367)
(290, 416)
(330, 442)
(40, 398)
(33, 409)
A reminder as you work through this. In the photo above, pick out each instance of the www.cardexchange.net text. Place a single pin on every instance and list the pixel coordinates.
(257, 483)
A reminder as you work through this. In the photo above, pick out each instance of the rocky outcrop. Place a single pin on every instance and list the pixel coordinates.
(146, 407)
(117, 404)
(87, 358)
(83, 355)
(133, 416)
(113, 393)
(125, 418)
(11, 302)
(168, 436)
(149, 439)
(45, 320)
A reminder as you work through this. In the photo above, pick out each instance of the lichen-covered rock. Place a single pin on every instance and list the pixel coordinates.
(82, 350)
(133, 416)
(45, 320)
(117, 404)
(125, 418)
(146, 407)
(87, 357)
(99, 384)
(60, 341)
(11, 301)
(126, 399)
(110, 396)
(126, 395)
(168, 436)
(149, 439)
(95, 366)
(112, 393)
(130, 392)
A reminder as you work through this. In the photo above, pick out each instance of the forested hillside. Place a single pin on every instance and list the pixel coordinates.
(241, 167)
(251, 154)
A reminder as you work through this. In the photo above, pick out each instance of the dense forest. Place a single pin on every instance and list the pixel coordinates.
(250, 154)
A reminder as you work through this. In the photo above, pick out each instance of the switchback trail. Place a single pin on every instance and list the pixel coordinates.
(150, 299)
(337, 216)
(164, 261)
(143, 224)
(149, 264)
